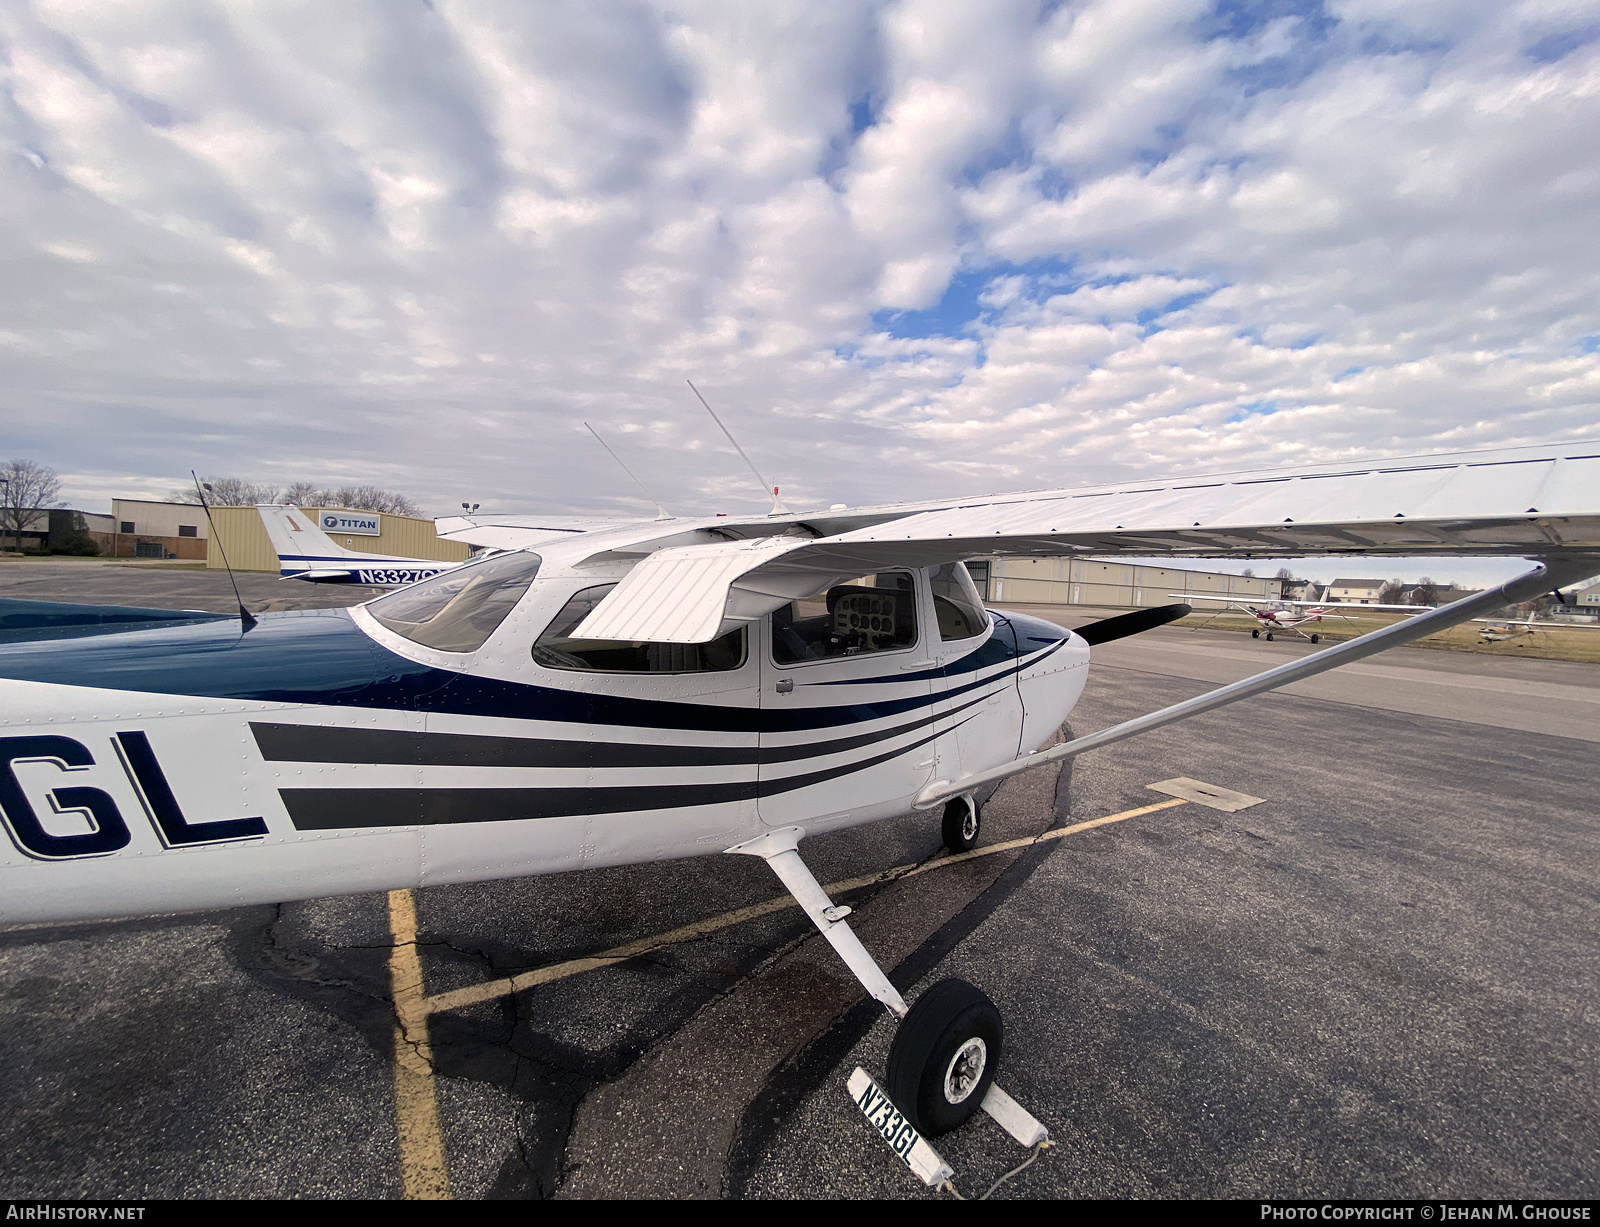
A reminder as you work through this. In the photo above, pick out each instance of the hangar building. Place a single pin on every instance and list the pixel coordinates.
(1093, 581)
(245, 542)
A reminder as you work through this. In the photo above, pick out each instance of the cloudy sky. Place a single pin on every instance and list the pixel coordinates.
(905, 248)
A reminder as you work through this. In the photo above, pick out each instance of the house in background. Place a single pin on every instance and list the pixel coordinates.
(1354, 591)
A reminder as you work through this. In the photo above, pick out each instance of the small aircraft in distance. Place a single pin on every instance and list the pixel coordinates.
(1269, 618)
(1498, 630)
(1273, 618)
(612, 693)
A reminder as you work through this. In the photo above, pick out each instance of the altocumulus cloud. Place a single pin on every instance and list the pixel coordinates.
(908, 248)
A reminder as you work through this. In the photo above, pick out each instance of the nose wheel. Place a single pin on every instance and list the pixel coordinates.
(946, 1049)
(944, 1056)
(962, 823)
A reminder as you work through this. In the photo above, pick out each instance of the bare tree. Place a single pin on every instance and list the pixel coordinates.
(1426, 592)
(373, 498)
(355, 498)
(237, 492)
(28, 489)
(1285, 577)
(229, 492)
(1391, 592)
(303, 494)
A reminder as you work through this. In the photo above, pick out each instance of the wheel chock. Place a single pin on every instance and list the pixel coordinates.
(1015, 1119)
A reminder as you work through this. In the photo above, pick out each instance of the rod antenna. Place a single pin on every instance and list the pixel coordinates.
(665, 514)
(777, 504)
(246, 618)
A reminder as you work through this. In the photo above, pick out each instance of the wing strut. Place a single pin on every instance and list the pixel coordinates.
(1523, 588)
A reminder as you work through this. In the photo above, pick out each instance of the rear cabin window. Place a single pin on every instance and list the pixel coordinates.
(877, 613)
(458, 609)
(557, 649)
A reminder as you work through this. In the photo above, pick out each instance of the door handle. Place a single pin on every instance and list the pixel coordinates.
(785, 685)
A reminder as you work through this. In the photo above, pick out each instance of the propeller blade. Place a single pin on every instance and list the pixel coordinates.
(1123, 625)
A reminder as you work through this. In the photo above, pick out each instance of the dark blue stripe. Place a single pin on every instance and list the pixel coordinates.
(333, 809)
(321, 657)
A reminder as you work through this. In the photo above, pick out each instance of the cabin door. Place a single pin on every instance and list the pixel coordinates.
(847, 704)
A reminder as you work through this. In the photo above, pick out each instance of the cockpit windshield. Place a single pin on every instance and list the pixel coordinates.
(458, 610)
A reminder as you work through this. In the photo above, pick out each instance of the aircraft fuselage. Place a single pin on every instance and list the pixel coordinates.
(196, 766)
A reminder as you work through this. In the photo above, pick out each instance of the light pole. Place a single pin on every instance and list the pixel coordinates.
(470, 508)
(5, 501)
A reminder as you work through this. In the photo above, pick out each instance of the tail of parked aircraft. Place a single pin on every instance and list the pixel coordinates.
(305, 551)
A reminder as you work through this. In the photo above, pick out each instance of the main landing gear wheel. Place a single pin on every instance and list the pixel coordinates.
(1316, 638)
(944, 1056)
(1269, 636)
(1256, 634)
(962, 823)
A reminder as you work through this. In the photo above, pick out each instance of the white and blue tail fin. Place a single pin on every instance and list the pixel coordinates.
(306, 552)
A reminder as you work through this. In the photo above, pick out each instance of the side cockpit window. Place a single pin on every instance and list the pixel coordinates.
(957, 603)
(457, 610)
(877, 613)
(557, 649)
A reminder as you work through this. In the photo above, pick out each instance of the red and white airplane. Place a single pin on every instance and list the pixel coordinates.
(1270, 618)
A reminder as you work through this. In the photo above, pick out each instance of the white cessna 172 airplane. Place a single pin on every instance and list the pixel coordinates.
(652, 689)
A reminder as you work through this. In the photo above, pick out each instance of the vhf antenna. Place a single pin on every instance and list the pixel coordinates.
(777, 504)
(665, 514)
(246, 618)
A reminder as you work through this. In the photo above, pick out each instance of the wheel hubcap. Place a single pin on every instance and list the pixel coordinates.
(965, 1071)
(969, 825)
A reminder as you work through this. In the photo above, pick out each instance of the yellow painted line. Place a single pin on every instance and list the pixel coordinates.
(423, 1176)
(492, 989)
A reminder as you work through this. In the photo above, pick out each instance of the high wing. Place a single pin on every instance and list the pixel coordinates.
(695, 580)
(522, 532)
(1359, 605)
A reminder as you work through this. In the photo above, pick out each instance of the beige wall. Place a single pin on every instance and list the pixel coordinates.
(248, 547)
(1090, 581)
(151, 519)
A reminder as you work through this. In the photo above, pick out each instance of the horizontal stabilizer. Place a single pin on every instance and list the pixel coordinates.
(27, 620)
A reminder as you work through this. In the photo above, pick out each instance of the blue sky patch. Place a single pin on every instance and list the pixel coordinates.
(1253, 409)
(959, 309)
(1239, 19)
(1553, 47)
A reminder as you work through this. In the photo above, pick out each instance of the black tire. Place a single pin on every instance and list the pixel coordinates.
(962, 822)
(1316, 638)
(1256, 633)
(1269, 636)
(934, 1048)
